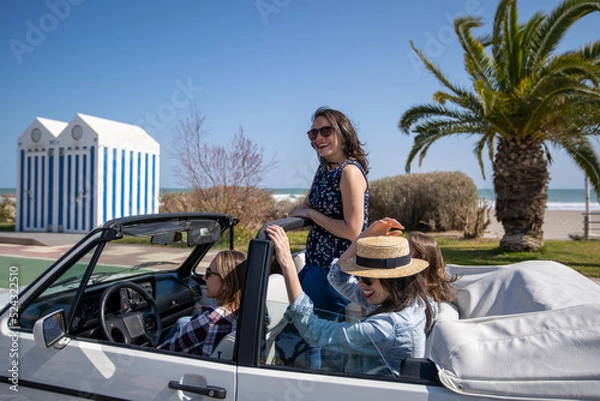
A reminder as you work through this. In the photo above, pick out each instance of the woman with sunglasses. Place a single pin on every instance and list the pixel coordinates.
(337, 203)
(378, 274)
(202, 332)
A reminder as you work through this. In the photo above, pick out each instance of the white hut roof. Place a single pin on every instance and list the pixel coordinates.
(117, 134)
(48, 130)
(53, 126)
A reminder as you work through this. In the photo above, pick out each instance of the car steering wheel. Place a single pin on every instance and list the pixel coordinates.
(128, 324)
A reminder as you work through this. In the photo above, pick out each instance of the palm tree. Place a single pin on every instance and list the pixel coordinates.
(524, 97)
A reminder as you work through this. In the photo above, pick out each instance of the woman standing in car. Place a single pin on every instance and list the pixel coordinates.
(337, 203)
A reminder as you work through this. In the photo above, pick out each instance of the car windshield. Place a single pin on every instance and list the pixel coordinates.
(122, 260)
(138, 248)
(152, 247)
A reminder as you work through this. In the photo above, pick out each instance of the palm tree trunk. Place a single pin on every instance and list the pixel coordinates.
(521, 185)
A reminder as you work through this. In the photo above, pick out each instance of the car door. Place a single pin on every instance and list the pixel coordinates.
(86, 369)
(280, 374)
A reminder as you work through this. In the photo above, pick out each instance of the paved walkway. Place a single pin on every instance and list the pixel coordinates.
(53, 245)
(44, 239)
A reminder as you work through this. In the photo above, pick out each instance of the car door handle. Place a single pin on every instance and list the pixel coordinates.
(209, 391)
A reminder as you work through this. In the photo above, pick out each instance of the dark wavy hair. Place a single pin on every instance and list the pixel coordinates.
(350, 143)
(439, 285)
(403, 292)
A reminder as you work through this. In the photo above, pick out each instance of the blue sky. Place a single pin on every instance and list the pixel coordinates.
(264, 65)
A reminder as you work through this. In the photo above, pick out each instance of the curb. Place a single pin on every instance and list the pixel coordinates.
(20, 241)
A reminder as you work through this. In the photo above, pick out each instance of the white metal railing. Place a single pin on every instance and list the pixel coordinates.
(589, 224)
(591, 227)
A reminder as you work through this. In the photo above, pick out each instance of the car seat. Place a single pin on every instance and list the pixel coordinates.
(277, 302)
(224, 350)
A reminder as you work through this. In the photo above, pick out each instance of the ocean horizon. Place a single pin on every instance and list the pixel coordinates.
(558, 199)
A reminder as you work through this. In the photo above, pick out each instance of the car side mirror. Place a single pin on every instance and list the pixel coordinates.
(206, 233)
(50, 330)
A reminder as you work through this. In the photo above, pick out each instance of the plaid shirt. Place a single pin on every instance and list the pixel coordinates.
(204, 331)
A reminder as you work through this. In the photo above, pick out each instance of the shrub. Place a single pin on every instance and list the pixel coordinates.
(431, 202)
(8, 208)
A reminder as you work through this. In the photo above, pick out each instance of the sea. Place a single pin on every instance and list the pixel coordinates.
(558, 199)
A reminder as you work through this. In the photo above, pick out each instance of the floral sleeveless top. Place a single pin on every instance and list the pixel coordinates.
(326, 197)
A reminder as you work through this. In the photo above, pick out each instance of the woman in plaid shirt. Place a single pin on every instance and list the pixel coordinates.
(201, 333)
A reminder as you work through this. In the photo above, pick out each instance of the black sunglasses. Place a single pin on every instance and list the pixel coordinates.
(366, 280)
(209, 273)
(324, 131)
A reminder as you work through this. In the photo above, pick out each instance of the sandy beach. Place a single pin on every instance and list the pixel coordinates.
(558, 224)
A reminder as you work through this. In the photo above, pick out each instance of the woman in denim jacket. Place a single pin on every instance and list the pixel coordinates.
(376, 272)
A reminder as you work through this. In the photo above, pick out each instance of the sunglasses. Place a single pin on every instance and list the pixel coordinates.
(324, 131)
(366, 280)
(209, 273)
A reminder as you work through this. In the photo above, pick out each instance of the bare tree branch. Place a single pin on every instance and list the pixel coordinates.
(224, 177)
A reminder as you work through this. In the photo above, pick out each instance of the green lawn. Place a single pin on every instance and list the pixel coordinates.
(4, 226)
(583, 256)
(27, 269)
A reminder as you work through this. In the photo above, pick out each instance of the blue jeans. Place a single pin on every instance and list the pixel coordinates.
(314, 283)
(179, 324)
(327, 301)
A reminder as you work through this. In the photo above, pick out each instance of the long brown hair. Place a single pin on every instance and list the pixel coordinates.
(439, 285)
(350, 143)
(403, 292)
(231, 267)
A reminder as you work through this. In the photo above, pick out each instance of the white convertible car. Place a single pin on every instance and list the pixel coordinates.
(88, 327)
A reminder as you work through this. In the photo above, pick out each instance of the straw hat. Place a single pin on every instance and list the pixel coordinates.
(383, 257)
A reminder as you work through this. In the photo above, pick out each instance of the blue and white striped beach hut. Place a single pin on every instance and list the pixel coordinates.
(74, 176)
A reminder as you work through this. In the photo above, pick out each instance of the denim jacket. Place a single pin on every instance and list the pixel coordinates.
(393, 335)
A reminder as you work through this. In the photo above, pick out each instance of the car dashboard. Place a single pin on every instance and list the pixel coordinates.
(174, 297)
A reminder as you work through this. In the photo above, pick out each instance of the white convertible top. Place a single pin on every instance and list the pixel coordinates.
(530, 330)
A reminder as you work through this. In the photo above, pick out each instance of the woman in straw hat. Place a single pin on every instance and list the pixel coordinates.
(377, 273)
